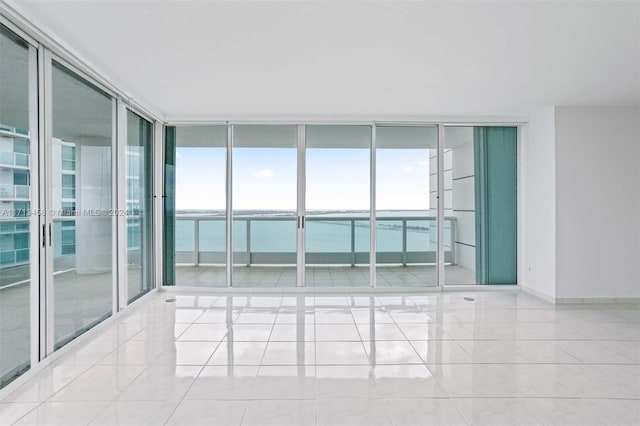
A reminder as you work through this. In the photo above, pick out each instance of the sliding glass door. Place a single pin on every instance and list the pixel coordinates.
(75, 224)
(197, 198)
(82, 204)
(264, 188)
(337, 224)
(460, 206)
(480, 205)
(139, 225)
(18, 226)
(406, 206)
(302, 199)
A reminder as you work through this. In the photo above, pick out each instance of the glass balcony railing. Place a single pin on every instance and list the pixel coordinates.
(13, 159)
(14, 192)
(14, 251)
(400, 240)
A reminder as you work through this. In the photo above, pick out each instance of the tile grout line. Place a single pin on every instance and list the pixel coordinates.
(255, 380)
(202, 367)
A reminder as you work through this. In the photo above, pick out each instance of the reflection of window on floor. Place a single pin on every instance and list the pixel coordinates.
(68, 237)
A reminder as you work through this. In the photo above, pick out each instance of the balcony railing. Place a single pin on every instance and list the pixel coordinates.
(14, 159)
(14, 192)
(336, 240)
(11, 256)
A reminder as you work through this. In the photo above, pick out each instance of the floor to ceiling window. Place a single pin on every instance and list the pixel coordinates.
(406, 215)
(459, 187)
(264, 188)
(76, 231)
(301, 199)
(337, 231)
(196, 194)
(139, 201)
(17, 225)
(82, 203)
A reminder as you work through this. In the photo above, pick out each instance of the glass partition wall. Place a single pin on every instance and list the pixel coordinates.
(303, 199)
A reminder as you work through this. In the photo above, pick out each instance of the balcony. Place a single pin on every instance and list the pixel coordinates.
(14, 192)
(337, 251)
(14, 159)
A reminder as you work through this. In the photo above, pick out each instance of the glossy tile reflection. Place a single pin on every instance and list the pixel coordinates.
(407, 359)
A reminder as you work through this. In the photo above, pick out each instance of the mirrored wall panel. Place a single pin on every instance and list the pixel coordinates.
(200, 205)
(337, 225)
(139, 180)
(264, 205)
(17, 223)
(406, 208)
(81, 182)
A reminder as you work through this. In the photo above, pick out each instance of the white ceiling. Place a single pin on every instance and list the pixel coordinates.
(239, 59)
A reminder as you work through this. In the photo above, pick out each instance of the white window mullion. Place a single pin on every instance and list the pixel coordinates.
(440, 213)
(300, 228)
(121, 295)
(372, 212)
(229, 206)
(47, 307)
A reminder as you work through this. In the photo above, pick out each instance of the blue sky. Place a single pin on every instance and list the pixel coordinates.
(337, 179)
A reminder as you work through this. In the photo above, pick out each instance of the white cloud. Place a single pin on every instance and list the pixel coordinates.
(263, 173)
(423, 163)
(178, 155)
(407, 169)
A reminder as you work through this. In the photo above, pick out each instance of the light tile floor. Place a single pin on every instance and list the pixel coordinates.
(503, 359)
(322, 276)
(81, 300)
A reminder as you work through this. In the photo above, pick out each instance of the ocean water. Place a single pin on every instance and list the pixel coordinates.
(323, 235)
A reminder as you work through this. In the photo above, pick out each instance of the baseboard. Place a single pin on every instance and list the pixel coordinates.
(539, 294)
(596, 300)
(580, 300)
(496, 288)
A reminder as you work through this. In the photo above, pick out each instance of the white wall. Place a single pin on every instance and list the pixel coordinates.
(581, 208)
(539, 219)
(597, 202)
